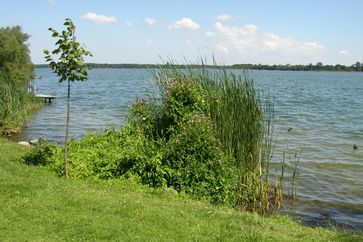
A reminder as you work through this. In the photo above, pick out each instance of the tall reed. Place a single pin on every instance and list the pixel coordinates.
(243, 119)
(15, 105)
(294, 162)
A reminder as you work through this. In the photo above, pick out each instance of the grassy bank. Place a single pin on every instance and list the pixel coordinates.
(38, 206)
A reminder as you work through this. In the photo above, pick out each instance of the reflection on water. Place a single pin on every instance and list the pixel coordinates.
(319, 112)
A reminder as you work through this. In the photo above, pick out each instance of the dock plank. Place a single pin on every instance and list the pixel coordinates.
(46, 97)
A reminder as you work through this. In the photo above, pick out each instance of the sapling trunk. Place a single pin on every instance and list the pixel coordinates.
(67, 128)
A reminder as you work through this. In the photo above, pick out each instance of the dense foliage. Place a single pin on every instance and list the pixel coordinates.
(168, 143)
(243, 123)
(15, 70)
(15, 61)
(207, 134)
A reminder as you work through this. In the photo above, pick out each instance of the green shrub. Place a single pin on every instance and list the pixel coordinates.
(92, 156)
(182, 97)
(196, 163)
(45, 154)
(158, 118)
(15, 59)
(187, 155)
(166, 142)
(243, 121)
(140, 156)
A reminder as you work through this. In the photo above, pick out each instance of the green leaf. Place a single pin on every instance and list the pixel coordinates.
(60, 41)
(69, 64)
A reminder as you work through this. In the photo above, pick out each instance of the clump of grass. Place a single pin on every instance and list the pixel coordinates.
(290, 163)
(243, 120)
(294, 162)
(15, 105)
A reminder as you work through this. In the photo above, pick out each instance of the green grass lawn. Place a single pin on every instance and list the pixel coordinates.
(35, 205)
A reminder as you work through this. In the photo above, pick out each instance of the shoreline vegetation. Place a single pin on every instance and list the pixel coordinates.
(356, 67)
(16, 69)
(38, 205)
(208, 135)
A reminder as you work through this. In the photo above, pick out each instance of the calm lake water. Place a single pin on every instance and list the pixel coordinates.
(323, 109)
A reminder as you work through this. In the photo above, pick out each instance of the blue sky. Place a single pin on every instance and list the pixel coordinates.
(234, 31)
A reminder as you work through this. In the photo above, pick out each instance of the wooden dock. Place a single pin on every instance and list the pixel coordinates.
(46, 97)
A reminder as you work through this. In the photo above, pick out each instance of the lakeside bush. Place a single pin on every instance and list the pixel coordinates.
(14, 55)
(208, 134)
(16, 70)
(243, 121)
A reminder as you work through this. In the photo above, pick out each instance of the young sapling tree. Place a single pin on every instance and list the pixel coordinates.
(67, 61)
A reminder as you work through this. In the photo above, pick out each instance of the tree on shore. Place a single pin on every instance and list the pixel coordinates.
(14, 55)
(16, 69)
(69, 66)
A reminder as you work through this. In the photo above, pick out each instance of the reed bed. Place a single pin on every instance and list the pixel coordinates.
(15, 106)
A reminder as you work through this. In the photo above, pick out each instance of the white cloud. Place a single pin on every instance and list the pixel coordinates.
(210, 34)
(221, 48)
(251, 42)
(344, 53)
(151, 21)
(129, 24)
(148, 41)
(184, 23)
(99, 18)
(224, 17)
(189, 42)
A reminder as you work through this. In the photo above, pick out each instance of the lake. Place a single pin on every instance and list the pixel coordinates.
(318, 112)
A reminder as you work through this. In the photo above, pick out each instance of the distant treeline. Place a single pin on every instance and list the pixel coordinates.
(310, 67)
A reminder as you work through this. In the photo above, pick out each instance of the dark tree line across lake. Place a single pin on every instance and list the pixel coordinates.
(310, 67)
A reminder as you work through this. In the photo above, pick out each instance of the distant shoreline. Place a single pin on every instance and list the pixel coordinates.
(358, 67)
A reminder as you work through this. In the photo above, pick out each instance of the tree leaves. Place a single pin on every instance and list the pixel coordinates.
(69, 64)
(15, 61)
